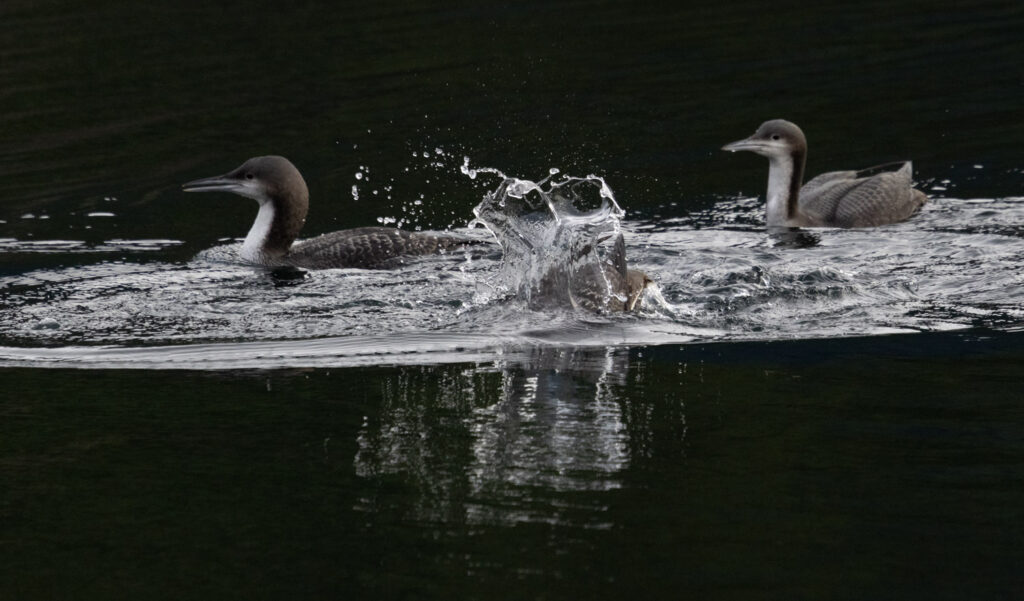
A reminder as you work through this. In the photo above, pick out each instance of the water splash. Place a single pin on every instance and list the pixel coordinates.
(721, 277)
(561, 240)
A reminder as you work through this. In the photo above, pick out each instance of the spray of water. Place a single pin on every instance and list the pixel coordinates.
(561, 240)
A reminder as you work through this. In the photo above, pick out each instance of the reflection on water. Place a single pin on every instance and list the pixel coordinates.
(657, 469)
(557, 423)
(477, 445)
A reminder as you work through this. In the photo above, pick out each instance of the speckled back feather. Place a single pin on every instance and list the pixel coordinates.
(369, 248)
(861, 198)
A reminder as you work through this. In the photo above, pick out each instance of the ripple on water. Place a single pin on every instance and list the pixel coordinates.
(956, 265)
(13, 245)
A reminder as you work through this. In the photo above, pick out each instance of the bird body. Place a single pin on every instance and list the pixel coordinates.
(608, 286)
(869, 197)
(277, 185)
(369, 248)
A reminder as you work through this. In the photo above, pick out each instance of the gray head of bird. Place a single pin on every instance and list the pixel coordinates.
(259, 178)
(775, 139)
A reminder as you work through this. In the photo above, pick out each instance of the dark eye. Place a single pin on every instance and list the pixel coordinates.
(775, 136)
(249, 176)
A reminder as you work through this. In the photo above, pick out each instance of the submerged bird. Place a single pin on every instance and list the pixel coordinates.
(554, 254)
(605, 286)
(284, 199)
(869, 197)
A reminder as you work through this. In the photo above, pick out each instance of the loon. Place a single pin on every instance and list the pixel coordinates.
(277, 185)
(627, 285)
(869, 197)
(609, 286)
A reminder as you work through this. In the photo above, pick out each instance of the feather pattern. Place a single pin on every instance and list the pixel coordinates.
(861, 198)
(277, 185)
(869, 197)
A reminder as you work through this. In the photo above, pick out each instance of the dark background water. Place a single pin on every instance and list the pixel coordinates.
(886, 467)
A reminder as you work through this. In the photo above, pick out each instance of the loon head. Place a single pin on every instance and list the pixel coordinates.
(775, 139)
(261, 178)
(786, 148)
(277, 185)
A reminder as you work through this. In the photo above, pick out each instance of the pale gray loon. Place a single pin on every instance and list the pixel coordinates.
(277, 185)
(869, 197)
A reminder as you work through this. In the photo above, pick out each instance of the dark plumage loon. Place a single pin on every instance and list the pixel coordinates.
(874, 196)
(284, 200)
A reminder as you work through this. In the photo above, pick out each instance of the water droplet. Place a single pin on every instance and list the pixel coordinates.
(47, 323)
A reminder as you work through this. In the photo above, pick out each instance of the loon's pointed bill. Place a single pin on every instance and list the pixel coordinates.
(211, 184)
(746, 144)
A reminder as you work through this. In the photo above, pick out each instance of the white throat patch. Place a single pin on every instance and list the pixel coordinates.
(780, 177)
(252, 248)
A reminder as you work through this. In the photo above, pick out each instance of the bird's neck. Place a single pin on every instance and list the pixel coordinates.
(785, 176)
(277, 224)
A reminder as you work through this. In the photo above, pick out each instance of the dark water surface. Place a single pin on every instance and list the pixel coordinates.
(846, 469)
(839, 418)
